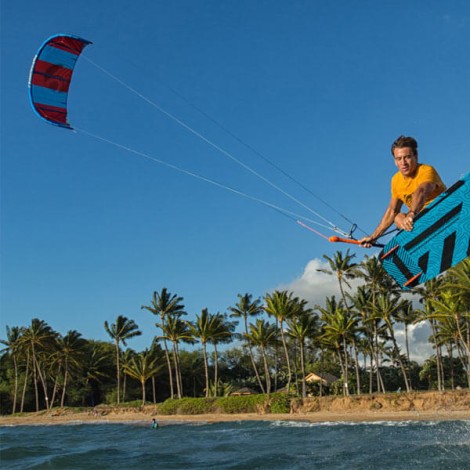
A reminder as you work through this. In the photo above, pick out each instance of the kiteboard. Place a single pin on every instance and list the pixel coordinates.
(439, 240)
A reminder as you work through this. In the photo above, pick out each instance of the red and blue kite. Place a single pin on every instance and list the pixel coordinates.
(50, 76)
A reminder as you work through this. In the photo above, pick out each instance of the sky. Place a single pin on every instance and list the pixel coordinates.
(92, 224)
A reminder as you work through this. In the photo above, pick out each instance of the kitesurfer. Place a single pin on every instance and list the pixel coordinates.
(415, 185)
(154, 423)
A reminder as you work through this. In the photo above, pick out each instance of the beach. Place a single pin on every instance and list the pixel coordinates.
(416, 406)
(82, 417)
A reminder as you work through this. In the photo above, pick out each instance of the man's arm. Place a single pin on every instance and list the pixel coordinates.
(388, 218)
(403, 221)
(418, 198)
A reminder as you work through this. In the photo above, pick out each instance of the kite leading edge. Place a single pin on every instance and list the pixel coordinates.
(50, 77)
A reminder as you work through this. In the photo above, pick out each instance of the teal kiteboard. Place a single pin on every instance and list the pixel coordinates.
(439, 240)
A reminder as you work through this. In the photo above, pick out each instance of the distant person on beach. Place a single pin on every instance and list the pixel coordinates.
(415, 185)
(154, 424)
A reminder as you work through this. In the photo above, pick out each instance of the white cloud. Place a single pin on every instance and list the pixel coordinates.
(315, 286)
(418, 335)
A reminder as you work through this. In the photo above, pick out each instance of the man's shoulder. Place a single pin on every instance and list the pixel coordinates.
(427, 171)
(426, 167)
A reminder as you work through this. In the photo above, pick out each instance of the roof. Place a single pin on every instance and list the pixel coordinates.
(324, 377)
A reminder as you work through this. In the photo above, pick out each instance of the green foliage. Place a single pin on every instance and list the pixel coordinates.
(275, 403)
(280, 403)
(110, 398)
(132, 404)
(241, 404)
(186, 406)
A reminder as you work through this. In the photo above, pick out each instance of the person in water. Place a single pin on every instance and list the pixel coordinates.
(154, 423)
(415, 185)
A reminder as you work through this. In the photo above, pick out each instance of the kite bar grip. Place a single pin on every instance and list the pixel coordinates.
(335, 239)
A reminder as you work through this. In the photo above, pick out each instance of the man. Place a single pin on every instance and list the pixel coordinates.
(415, 185)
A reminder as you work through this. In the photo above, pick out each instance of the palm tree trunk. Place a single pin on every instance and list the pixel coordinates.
(266, 371)
(255, 368)
(402, 366)
(154, 390)
(118, 372)
(302, 366)
(216, 370)
(15, 393)
(252, 357)
(170, 371)
(66, 371)
(143, 392)
(286, 353)
(206, 368)
(375, 349)
(346, 366)
(177, 373)
(25, 384)
(180, 377)
(124, 388)
(356, 365)
(35, 381)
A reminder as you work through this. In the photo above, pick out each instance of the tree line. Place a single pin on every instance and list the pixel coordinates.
(280, 340)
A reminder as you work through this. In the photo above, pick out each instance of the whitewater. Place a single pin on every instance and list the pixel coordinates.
(238, 445)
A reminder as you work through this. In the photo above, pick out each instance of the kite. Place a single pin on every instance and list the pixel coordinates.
(50, 77)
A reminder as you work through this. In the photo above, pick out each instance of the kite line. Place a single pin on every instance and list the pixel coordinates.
(50, 78)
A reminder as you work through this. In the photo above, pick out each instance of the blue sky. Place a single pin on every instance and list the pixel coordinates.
(321, 89)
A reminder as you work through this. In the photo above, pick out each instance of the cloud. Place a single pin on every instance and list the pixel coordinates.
(315, 286)
(418, 336)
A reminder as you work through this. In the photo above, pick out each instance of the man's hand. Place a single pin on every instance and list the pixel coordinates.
(405, 221)
(367, 242)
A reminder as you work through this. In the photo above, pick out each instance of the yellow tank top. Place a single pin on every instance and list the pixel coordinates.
(403, 186)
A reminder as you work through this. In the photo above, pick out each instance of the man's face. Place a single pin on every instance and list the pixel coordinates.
(405, 161)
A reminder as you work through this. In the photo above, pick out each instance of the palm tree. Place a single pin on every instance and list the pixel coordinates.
(263, 334)
(407, 315)
(203, 329)
(344, 269)
(375, 276)
(431, 291)
(246, 308)
(450, 307)
(176, 330)
(223, 333)
(371, 328)
(338, 330)
(301, 327)
(387, 307)
(459, 278)
(13, 344)
(70, 353)
(39, 340)
(164, 305)
(142, 367)
(121, 331)
(282, 306)
(95, 366)
(126, 358)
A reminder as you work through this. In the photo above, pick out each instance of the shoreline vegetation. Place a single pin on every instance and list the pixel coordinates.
(355, 345)
(414, 406)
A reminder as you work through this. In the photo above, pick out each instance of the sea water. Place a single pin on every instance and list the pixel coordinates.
(238, 445)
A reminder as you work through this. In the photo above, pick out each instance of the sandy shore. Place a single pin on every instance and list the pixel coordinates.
(53, 417)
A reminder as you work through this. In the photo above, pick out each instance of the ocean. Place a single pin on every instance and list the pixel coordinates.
(238, 445)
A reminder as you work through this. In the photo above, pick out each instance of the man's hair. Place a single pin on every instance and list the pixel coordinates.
(404, 141)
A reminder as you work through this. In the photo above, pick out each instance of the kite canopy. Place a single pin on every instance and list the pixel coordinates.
(50, 77)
